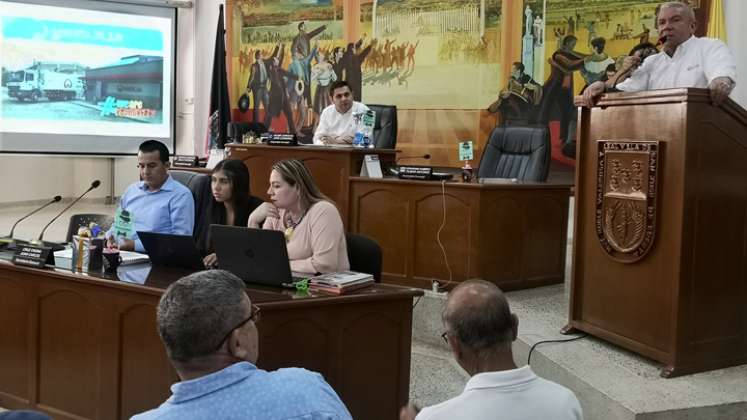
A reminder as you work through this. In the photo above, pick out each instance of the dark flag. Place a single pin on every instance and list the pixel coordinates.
(220, 107)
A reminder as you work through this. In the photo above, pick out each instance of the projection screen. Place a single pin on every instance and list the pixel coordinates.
(85, 77)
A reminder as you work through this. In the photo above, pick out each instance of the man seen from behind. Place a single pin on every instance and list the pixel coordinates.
(209, 328)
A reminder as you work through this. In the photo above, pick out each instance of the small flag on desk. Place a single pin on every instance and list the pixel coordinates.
(220, 107)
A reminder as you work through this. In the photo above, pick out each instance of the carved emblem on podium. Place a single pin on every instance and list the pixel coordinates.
(626, 197)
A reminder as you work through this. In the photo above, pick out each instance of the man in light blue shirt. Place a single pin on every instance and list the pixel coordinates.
(157, 203)
(208, 326)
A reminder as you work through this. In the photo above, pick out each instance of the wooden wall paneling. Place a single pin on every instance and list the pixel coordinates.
(67, 351)
(383, 214)
(380, 364)
(145, 371)
(437, 132)
(456, 236)
(490, 232)
(15, 369)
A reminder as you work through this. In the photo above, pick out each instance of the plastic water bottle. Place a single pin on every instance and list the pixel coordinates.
(358, 138)
(369, 118)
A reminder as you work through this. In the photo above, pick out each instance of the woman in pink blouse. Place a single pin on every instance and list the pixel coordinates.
(312, 224)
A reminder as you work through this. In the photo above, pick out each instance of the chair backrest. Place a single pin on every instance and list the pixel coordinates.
(385, 126)
(77, 220)
(364, 255)
(199, 184)
(517, 152)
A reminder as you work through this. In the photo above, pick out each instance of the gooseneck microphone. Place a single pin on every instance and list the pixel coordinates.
(426, 156)
(95, 184)
(54, 200)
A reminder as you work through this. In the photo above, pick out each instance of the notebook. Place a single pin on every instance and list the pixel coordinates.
(256, 256)
(171, 250)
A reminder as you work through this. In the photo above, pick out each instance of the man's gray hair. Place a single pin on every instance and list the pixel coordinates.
(685, 8)
(483, 322)
(197, 311)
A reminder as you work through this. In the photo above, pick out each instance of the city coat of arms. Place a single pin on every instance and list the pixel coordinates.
(626, 197)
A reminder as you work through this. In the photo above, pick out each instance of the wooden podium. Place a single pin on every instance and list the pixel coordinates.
(660, 252)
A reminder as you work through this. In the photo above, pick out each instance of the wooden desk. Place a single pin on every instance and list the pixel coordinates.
(331, 167)
(80, 346)
(514, 235)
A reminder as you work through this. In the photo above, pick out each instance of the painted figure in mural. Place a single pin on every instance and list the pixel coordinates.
(518, 102)
(538, 30)
(301, 46)
(596, 63)
(278, 94)
(323, 74)
(685, 61)
(557, 98)
(645, 35)
(352, 62)
(411, 55)
(302, 41)
(529, 21)
(299, 88)
(257, 84)
(336, 61)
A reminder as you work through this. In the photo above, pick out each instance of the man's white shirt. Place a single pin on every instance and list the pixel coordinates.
(695, 63)
(515, 394)
(334, 124)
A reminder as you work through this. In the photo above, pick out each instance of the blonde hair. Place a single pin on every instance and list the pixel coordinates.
(295, 173)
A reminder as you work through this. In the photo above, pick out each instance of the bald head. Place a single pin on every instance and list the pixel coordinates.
(477, 313)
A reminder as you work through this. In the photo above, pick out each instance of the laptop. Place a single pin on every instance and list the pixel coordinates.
(256, 256)
(171, 250)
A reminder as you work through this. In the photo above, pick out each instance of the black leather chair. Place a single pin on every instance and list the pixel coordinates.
(385, 126)
(517, 152)
(364, 255)
(199, 184)
(84, 219)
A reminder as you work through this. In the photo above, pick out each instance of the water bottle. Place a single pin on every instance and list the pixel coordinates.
(369, 118)
(358, 138)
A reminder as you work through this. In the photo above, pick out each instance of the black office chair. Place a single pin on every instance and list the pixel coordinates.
(364, 255)
(517, 152)
(199, 185)
(77, 220)
(385, 126)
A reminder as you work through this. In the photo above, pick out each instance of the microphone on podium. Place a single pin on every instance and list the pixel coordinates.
(426, 156)
(52, 201)
(55, 246)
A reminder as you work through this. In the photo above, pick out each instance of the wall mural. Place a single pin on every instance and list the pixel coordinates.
(427, 55)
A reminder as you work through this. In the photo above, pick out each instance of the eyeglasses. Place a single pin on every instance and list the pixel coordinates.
(253, 316)
(444, 336)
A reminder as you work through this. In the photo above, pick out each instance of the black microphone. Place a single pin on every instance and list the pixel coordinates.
(95, 184)
(54, 200)
(426, 156)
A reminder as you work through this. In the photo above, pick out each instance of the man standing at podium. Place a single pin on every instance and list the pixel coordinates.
(685, 61)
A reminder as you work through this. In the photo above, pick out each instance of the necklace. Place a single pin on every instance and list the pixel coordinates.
(292, 226)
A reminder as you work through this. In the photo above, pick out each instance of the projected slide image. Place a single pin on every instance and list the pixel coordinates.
(84, 72)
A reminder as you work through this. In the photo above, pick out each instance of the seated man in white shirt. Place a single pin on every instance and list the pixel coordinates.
(338, 122)
(685, 61)
(480, 329)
